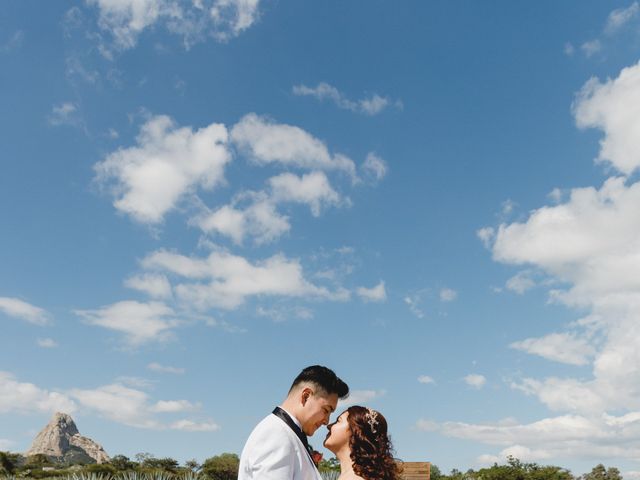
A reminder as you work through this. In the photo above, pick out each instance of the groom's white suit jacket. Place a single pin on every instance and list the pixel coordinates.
(274, 452)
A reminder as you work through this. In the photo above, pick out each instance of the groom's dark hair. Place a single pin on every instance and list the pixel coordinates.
(323, 378)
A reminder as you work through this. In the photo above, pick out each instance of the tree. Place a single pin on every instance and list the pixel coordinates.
(331, 465)
(7, 464)
(192, 465)
(221, 467)
(600, 472)
(435, 473)
(167, 464)
(122, 463)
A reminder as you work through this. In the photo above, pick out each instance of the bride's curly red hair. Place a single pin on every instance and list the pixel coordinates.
(371, 449)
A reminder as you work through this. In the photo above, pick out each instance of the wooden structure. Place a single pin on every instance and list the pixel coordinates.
(415, 470)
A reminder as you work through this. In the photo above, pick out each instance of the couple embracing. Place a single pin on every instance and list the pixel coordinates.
(278, 449)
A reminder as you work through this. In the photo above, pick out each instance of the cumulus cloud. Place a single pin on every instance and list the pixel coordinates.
(561, 347)
(615, 24)
(123, 21)
(156, 286)
(21, 397)
(168, 162)
(374, 167)
(360, 397)
(588, 244)
(134, 408)
(259, 220)
(139, 322)
(613, 107)
(373, 294)
(448, 295)
(266, 142)
(521, 282)
(191, 426)
(156, 367)
(224, 280)
(372, 105)
(115, 401)
(312, 189)
(16, 308)
(568, 436)
(173, 406)
(620, 17)
(66, 113)
(475, 380)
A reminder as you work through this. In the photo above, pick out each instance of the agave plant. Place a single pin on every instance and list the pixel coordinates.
(89, 476)
(329, 475)
(190, 476)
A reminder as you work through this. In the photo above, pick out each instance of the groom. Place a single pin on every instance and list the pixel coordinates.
(277, 449)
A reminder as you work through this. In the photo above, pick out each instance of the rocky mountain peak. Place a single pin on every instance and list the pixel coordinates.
(61, 441)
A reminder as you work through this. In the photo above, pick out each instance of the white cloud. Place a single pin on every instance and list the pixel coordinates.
(475, 380)
(612, 106)
(566, 436)
(426, 379)
(281, 314)
(521, 282)
(413, 302)
(368, 106)
(225, 281)
(23, 397)
(47, 343)
(139, 322)
(591, 47)
(620, 17)
(312, 189)
(119, 403)
(267, 142)
(360, 397)
(125, 20)
(156, 286)
(13, 43)
(448, 295)
(486, 236)
(22, 310)
(156, 367)
(150, 179)
(116, 402)
(173, 406)
(588, 244)
(373, 294)
(374, 167)
(259, 220)
(560, 347)
(64, 114)
(232, 17)
(191, 426)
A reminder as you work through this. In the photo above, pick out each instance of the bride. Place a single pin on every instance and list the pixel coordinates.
(360, 442)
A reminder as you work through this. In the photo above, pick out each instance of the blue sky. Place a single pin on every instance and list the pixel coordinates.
(436, 199)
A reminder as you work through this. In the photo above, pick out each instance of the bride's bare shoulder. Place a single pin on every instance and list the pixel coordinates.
(350, 476)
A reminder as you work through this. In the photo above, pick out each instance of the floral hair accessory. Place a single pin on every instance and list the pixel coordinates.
(371, 418)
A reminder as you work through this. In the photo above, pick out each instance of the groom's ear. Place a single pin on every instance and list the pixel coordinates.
(305, 394)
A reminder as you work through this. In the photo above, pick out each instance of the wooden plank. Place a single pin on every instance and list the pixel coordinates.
(415, 470)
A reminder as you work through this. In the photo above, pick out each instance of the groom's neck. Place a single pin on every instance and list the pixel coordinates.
(291, 407)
